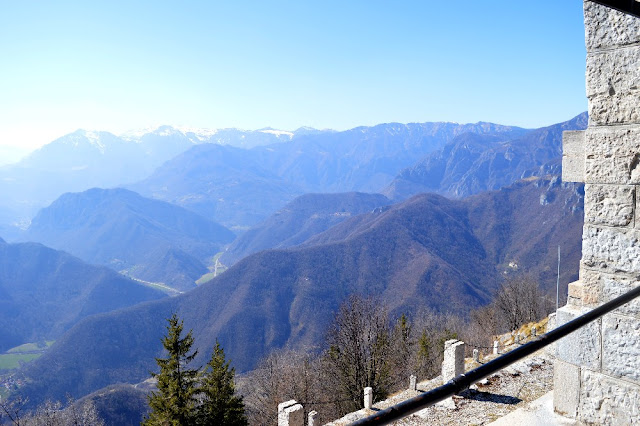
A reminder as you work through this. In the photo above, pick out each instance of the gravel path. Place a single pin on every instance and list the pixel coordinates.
(496, 396)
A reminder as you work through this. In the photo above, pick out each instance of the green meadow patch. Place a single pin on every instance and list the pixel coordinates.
(13, 361)
(17, 356)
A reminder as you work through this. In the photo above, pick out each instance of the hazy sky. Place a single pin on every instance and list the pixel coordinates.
(120, 65)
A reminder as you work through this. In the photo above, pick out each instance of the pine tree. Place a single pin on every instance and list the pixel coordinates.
(174, 403)
(219, 404)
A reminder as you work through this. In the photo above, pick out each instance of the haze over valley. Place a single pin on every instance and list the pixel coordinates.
(242, 177)
(257, 246)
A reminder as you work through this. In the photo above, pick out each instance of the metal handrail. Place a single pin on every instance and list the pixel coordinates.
(631, 7)
(463, 381)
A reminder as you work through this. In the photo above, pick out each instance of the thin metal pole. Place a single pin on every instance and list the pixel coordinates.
(558, 282)
(463, 381)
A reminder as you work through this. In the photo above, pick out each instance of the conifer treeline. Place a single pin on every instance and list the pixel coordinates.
(187, 396)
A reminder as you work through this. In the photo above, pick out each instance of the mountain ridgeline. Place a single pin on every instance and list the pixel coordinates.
(240, 188)
(237, 178)
(44, 292)
(425, 252)
(302, 218)
(472, 162)
(148, 239)
(85, 159)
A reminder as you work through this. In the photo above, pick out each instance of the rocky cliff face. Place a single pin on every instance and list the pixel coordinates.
(472, 163)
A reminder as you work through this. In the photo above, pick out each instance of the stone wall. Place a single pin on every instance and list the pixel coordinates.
(597, 375)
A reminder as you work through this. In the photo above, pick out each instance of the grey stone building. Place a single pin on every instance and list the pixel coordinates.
(597, 373)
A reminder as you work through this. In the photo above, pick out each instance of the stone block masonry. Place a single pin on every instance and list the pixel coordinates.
(609, 205)
(597, 373)
(573, 156)
(584, 346)
(604, 400)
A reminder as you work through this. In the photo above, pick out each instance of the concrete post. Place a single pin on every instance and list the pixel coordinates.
(551, 324)
(368, 398)
(517, 338)
(476, 355)
(496, 347)
(534, 331)
(453, 363)
(312, 419)
(413, 383)
(290, 413)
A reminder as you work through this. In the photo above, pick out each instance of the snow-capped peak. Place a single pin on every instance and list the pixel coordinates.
(200, 135)
(135, 135)
(166, 131)
(277, 133)
(81, 135)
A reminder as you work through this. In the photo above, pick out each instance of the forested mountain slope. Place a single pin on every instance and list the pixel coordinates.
(222, 183)
(44, 292)
(148, 239)
(425, 252)
(302, 218)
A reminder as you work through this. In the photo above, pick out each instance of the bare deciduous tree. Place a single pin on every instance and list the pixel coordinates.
(281, 376)
(364, 348)
(519, 301)
(359, 351)
(483, 325)
(432, 330)
(12, 411)
(52, 414)
(403, 347)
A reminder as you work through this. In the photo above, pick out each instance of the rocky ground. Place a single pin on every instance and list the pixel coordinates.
(488, 400)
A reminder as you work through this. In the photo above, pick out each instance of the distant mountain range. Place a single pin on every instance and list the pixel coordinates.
(251, 174)
(472, 163)
(238, 178)
(425, 252)
(147, 239)
(222, 183)
(468, 164)
(246, 139)
(240, 188)
(77, 162)
(44, 292)
(87, 159)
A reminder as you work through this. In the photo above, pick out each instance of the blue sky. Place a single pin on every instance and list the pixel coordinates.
(116, 66)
